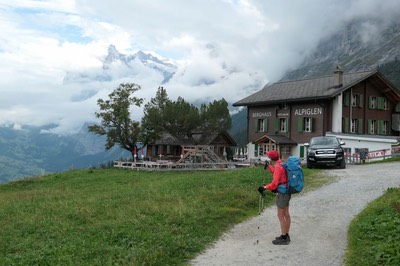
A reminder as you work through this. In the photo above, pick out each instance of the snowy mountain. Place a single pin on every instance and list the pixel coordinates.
(117, 65)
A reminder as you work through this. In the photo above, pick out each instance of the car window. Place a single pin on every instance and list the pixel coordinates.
(316, 141)
(323, 141)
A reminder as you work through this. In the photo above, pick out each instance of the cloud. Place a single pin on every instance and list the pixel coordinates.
(223, 48)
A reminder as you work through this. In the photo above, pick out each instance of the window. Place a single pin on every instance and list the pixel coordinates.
(304, 124)
(355, 100)
(385, 128)
(283, 125)
(372, 102)
(354, 125)
(261, 125)
(385, 104)
(262, 148)
(372, 127)
(380, 103)
(307, 124)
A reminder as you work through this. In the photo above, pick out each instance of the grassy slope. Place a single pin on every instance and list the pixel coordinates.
(123, 217)
(117, 217)
(374, 235)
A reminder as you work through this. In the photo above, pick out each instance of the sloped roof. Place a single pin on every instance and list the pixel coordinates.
(197, 139)
(168, 139)
(211, 138)
(324, 87)
(278, 139)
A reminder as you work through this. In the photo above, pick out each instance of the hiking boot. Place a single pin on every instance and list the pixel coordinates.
(281, 241)
(281, 237)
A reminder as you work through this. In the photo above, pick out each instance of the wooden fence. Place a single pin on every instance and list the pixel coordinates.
(164, 165)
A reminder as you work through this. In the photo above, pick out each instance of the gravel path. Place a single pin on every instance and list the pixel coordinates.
(320, 220)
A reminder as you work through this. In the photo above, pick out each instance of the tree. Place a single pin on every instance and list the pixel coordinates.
(116, 122)
(215, 117)
(152, 121)
(182, 119)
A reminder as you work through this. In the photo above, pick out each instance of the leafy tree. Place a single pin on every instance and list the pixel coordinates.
(182, 119)
(215, 116)
(152, 120)
(116, 122)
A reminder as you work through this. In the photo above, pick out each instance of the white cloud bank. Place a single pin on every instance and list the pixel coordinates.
(223, 48)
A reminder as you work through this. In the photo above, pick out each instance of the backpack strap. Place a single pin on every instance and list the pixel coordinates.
(287, 178)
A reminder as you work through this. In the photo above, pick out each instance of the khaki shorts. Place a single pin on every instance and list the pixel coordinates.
(282, 200)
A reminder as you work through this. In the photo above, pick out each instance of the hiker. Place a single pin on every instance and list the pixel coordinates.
(282, 199)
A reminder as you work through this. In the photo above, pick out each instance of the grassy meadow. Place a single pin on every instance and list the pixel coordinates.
(374, 235)
(126, 217)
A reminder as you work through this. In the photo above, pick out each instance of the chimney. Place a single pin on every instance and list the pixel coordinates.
(338, 76)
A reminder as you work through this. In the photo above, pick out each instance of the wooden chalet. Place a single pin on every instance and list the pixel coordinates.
(362, 109)
(201, 147)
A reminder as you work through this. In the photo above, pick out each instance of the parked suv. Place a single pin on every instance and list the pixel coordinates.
(325, 151)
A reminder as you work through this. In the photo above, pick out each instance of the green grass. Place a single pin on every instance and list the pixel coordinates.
(374, 235)
(125, 217)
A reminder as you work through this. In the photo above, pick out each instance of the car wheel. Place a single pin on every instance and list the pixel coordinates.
(343, 164)
(310, 165)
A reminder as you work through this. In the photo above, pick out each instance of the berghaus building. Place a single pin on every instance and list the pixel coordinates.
(361, 109)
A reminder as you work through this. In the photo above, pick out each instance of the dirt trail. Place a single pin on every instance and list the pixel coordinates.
(320, 220)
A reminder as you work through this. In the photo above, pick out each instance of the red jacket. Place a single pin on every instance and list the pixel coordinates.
(279, 175)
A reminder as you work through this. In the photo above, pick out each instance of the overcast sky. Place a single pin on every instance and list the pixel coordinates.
(238, 44)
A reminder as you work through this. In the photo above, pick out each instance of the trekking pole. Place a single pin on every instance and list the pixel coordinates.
(261, 205)
(260, 209)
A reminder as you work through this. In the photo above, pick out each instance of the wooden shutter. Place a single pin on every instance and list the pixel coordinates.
(300, 124)
(265, 125)
(346, 124)
(380, 103)
(287, 125)
(312, 124)
(369, 126)
(360, 128)
(276, 126)
(301, 151)
(379, 127)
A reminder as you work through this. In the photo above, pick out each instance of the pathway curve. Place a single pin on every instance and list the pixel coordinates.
(320, 220)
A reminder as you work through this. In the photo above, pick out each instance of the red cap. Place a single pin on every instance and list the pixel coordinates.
(274, 155)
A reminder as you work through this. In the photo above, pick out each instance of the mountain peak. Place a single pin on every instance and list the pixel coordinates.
(117, 65)
(112, 56)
